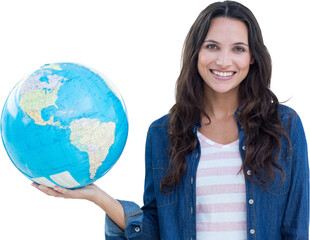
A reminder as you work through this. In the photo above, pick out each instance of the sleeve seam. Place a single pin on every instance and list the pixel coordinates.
(133, 214)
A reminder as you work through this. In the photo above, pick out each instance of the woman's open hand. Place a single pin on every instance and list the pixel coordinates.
(89, 192)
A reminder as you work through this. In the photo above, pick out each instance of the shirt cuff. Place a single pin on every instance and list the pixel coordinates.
(133, 215)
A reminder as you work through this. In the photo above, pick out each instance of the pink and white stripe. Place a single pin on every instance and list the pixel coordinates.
(220, 192)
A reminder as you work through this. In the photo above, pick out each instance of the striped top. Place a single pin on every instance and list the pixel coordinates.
(220, 192)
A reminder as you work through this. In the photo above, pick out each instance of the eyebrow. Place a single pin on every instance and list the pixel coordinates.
(237, 43)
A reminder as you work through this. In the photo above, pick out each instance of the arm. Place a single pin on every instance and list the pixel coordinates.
(295, 224)
(141, 224)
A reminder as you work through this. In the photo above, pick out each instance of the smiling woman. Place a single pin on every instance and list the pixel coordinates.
(228, 161)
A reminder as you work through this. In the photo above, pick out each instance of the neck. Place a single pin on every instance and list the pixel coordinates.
(219, 106)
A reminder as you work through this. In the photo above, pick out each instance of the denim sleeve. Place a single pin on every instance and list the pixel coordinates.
(133, 215)
(295, 224)
(141, 223)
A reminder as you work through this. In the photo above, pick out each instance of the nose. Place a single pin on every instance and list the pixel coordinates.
(224, 59)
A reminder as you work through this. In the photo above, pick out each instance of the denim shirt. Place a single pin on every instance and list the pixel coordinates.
(272, 213)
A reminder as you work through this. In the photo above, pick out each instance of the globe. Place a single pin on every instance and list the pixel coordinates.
(65, 125)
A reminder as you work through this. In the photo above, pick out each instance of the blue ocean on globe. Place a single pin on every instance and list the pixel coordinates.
(64, 124)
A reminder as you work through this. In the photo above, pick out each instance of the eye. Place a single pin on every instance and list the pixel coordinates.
(211, 46)
(239, 49)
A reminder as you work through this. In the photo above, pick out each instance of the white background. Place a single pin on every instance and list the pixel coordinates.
(137, 44)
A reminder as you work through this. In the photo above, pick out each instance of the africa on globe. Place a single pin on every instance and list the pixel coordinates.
(65, 125)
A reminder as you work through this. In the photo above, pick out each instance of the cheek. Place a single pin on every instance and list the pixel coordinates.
(204, 60)
(205, 55)
(200, 64)
(244, 64)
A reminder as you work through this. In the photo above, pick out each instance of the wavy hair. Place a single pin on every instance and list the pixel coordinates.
(257, 112)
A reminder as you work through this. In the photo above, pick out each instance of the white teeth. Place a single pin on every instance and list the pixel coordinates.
(223, 74)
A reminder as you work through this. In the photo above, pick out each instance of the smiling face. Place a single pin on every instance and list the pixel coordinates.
(224, 58)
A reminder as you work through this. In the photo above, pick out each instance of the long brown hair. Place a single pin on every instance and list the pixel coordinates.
(257, 112)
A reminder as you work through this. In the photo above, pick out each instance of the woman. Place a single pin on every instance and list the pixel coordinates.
(228, 161)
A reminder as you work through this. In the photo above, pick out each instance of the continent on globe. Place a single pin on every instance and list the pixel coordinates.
(64, 124)
(41, 92)
(93, 137)
(33, 102)
(52, 66)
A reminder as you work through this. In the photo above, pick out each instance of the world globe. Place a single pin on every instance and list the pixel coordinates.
(64, 125)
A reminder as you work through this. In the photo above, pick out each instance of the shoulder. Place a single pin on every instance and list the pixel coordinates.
(286, 112)
(159, 129)
(161, 122)
(160, 125)
(290, 119)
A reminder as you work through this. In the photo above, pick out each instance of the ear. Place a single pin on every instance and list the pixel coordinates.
(252, 60)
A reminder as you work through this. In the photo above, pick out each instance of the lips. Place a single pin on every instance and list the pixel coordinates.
(222, 74)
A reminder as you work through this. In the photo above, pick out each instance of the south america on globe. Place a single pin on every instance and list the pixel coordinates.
(64, 125)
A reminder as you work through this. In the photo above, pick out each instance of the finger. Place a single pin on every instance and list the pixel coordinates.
(49, 191)
(34, 184)
(55, 192)
(67, 193)
(63, 191)
(58, 189)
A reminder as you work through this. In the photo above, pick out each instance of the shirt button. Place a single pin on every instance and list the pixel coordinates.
(192, 210)
(137, 229)
(197, 155)
(249, 172)
(251, 201)
(252, 231)
(192, 180)
(243, 148)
